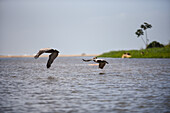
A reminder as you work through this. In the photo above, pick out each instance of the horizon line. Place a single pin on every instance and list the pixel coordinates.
(25, 56)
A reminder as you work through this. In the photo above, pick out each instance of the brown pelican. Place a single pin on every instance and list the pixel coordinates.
(52, 56)
(101, 62)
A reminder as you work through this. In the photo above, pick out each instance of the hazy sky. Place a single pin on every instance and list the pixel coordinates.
(80, 26)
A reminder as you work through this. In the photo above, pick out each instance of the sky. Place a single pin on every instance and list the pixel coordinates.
(80, 26)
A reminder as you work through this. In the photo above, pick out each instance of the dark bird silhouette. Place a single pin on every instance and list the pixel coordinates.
(101, 62)
(52, 56)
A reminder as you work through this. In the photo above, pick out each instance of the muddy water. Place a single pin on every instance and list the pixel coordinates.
(70, 85)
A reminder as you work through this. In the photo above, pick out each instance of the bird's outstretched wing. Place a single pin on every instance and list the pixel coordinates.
(87, 60)
(52, 56)
(102, 64)
(41, 51)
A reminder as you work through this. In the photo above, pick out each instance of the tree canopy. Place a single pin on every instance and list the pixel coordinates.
(155, 44)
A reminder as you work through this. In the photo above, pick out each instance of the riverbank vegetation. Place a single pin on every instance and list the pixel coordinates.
(154, 52)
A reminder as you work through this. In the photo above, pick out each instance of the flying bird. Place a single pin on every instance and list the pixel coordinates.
(52, 56)
(101, 62)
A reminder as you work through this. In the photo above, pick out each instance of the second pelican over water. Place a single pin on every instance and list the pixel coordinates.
(52, 56)
(101, 62)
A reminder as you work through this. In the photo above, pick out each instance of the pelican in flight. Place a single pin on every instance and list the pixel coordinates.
(52, 56)
(101, 62)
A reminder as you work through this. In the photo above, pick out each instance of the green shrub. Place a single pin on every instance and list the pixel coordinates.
(155, 44)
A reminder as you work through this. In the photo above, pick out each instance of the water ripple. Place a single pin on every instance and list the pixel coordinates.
(70, 85)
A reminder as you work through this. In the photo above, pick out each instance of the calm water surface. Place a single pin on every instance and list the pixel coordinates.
(73, 86)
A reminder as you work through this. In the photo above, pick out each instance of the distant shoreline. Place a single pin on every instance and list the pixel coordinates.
(143, 53)
(29, 56)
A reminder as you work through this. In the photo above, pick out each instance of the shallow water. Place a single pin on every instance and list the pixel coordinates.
(70, 85)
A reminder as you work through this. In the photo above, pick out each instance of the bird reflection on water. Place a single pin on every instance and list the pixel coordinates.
(102, 73)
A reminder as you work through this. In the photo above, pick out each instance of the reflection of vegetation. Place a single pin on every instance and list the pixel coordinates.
(163, 52)
(139, 32)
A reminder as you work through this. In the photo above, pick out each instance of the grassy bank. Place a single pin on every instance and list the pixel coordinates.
(144, 53)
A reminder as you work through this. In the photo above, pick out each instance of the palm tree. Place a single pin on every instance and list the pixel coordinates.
(145, 26)
(140, 32)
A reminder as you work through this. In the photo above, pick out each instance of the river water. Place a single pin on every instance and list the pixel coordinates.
(74, 86)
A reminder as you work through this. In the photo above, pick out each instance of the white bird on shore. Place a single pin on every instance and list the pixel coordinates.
(101, 62)
(52, 56)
